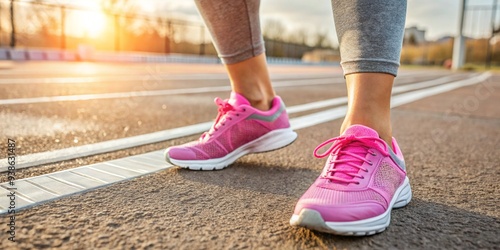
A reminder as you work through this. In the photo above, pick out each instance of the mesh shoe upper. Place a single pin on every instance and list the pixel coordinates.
(237, 123)
(359, 179)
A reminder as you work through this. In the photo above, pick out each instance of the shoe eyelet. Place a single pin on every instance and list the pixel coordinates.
(370, 162)
(244, 110)
(357, 183)
(372, 153)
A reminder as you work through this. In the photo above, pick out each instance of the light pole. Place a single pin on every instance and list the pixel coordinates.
(488, 48)
(459, 46)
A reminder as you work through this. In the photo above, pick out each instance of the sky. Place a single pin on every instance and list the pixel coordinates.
(438, 17)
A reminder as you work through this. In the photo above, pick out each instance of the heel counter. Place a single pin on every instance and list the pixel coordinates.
(285, 120)
(397, 155)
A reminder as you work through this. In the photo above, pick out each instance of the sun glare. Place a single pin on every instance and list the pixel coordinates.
(94, 24)
(86, 24)
(147, 6)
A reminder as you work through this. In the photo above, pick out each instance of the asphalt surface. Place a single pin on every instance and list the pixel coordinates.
(451, 143)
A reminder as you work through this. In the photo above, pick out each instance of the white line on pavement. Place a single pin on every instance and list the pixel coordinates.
(36, 159)
(40, 189)
(146, 77)
(395, 90)
(45, 99)
(397, 100)
(84, 97)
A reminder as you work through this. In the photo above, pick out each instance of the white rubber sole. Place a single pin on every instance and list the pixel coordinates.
(312, 219)
(273, 140)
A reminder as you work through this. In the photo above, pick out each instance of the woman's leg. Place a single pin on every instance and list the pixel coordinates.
(235, 29)
(369, 101)
(365, 174)
(370, 35)
(253, 119)
(250, 78)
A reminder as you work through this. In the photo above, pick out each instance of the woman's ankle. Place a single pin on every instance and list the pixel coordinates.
(259, 100)
(384, 129)
(250, 78)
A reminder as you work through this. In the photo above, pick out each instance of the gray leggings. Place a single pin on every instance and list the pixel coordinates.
(370, 32)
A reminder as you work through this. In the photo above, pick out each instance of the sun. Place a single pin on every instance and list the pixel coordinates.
(89, 24)
(93, 24)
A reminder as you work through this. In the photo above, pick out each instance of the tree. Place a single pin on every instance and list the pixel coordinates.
(412, 39)
(299, 37)
(321, 39)
(274, 30)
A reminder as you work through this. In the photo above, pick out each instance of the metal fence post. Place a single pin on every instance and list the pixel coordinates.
(1, 24)
(168, 37)
(202, 44)
(13, 26)
(117, 33)
(63, 28)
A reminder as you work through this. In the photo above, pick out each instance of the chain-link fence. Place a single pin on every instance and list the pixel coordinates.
(481, 22)
(36, 24)
(482, 41)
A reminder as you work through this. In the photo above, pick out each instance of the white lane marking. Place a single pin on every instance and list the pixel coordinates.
(146, 76)
(417, 95)
(84, 97)
(23, 76)
(79, 178)
(122, 78)
(395, 90)
(73, 181)
(316, 105)
(36, 159)
(45, 99)
(397, 100)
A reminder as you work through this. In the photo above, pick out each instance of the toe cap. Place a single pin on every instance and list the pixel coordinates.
(178, 153)
(344, 212)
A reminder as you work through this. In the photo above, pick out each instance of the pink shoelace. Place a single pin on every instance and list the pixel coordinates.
(350, 152)
(224, 112)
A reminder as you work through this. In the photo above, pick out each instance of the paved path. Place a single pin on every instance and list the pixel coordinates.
(451, 143)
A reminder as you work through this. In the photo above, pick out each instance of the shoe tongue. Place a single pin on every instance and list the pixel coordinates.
(360, 130)
(355, 147)
(236, 100)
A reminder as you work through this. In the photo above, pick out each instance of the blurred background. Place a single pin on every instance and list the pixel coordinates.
(294, 29)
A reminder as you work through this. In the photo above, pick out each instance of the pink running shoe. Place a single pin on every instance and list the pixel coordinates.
(239, 129)
(362, 181)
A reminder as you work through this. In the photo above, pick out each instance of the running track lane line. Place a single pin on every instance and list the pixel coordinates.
(146, 76)
(40, 189)
(84, 97)
(26, 161)
(45, 99)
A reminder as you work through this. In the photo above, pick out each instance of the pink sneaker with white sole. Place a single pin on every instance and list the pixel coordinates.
(239, 129)
(363, 180)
